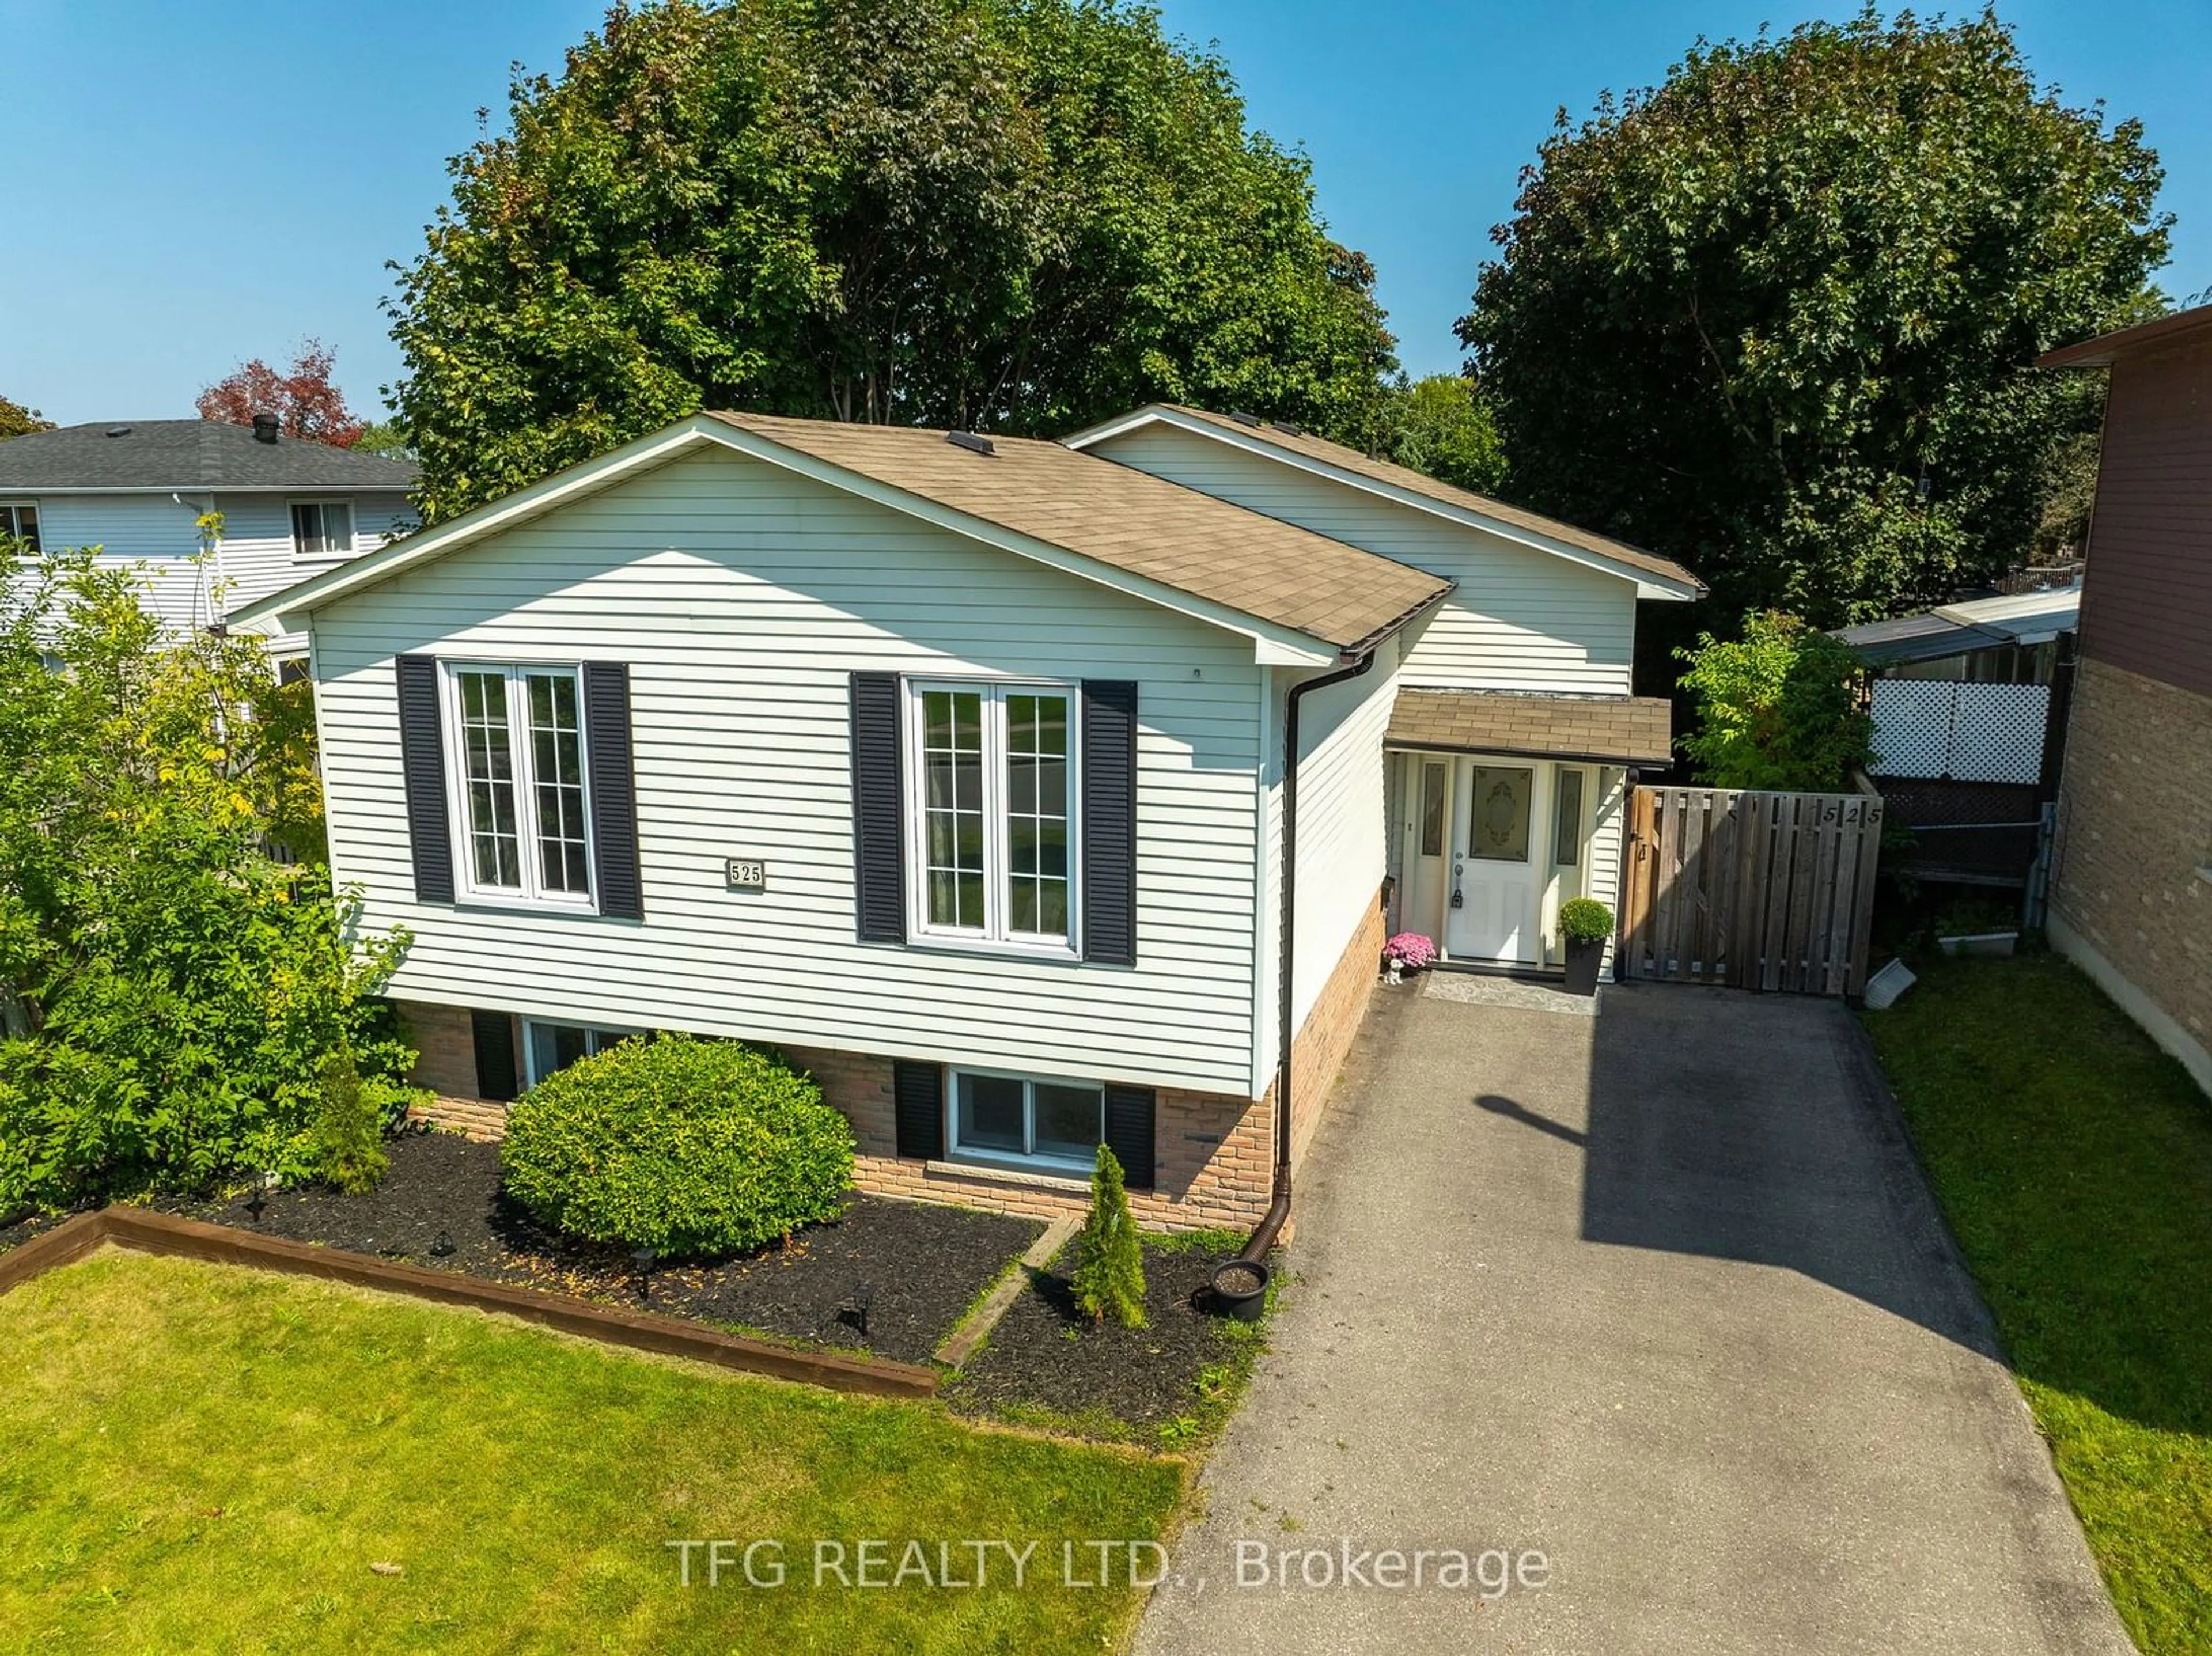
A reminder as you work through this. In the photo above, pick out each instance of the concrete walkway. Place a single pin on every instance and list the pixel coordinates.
(1660, 1295)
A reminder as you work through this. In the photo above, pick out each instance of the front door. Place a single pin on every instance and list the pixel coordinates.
(1494, 914)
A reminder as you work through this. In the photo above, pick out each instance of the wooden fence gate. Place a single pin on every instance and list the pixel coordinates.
(1769, 891)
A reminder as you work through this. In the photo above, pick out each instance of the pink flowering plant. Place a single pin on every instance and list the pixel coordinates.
(1410, 950)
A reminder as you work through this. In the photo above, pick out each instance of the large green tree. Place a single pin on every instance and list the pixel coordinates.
(171, 990)
(1009, 214)
(1776, 317)
(1441, 425)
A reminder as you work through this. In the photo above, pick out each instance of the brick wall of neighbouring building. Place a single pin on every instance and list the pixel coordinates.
(2132, 895)
(1214, 1155)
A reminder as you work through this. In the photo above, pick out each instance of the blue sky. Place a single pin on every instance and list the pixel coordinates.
(191, 184)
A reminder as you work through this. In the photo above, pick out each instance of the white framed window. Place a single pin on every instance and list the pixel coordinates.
(520, 804)
(990, 806)
(19, 520)
(322, 529)
(996, 1117)
(549, 1047)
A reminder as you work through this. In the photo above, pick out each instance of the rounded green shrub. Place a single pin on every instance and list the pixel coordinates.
(691, 1148)
(1585, 919)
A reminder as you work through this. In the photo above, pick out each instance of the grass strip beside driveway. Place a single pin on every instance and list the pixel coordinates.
(199, 1458)
(2074, 1162)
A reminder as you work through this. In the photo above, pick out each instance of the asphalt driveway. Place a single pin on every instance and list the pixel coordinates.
(1650, 1318)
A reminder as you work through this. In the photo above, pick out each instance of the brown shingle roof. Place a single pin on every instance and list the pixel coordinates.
(1123, 517)
(1386, 471)
(1613, 730)
(2106, 348)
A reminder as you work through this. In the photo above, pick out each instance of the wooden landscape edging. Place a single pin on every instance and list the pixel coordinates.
(145, 1232)
(64, 1245)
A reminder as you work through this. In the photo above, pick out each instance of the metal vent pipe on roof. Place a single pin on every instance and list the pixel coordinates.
(266, 428)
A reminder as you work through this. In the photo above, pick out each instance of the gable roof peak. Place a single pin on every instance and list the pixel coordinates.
(1283, 440)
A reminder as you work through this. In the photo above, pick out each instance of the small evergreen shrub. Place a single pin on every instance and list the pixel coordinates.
(1110, 1261)
(346, 1144)
(691, 1148)
(1585, 919)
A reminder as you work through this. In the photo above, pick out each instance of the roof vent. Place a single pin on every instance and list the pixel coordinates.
(265, 428)
(1287, 428)
(970, 441)
(118, 431)
(1244, 416)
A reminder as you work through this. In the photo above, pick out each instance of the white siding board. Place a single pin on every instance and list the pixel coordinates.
(1341, 849)
(1520, 620)
(742, 597)
(161, 536)
(1605, 845)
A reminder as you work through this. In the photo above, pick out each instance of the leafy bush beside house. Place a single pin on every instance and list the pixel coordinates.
(170, 994)
(1779, 707)
(692, 1148)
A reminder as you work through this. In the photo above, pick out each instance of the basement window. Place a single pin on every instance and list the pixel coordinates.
(549, 1048)
(1052, 1125)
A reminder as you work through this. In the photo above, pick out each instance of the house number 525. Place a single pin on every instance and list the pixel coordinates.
(746, 874)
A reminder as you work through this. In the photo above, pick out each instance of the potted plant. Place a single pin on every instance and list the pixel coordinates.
(1408, 951)
(1586, 924)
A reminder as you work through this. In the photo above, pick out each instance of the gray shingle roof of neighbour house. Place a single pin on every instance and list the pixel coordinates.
(1616, 730)
(186, 454)
(1132, 521)
(1292, 441)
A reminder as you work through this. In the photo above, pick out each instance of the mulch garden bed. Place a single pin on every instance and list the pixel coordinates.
(1048, 1364)
(21, 1231)
(441, 1206)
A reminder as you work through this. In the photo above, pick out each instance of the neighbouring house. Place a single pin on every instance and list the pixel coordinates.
(143, 491)
(997, 781)
(2131, 894)
(1969, 702)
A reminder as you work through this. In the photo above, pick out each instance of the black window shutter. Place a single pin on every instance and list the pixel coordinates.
(422, 766)
(879, 812)
(918, 1104)
(1110, 821)
(1129, 1112)
(494, 1041)
(614, 791)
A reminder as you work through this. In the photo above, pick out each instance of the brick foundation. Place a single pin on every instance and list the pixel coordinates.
(1317, 1055)
(446, 1063)
(1214, 1154)
(2132, 896)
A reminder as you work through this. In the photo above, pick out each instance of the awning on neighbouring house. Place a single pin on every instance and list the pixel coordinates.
(1595, 730)
(1957, 629)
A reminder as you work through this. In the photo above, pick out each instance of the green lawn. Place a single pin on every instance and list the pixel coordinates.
(197, 1457)
(2074, 1161)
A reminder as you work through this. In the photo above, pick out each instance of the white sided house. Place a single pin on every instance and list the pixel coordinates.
(211, 516)
(957, 768)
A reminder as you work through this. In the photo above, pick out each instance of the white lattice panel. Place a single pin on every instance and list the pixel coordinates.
(1967, 733)
(1912, 726)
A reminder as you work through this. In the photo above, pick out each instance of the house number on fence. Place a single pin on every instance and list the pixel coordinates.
(746, 874)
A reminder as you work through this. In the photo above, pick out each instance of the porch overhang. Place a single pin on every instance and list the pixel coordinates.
(1633, 730)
